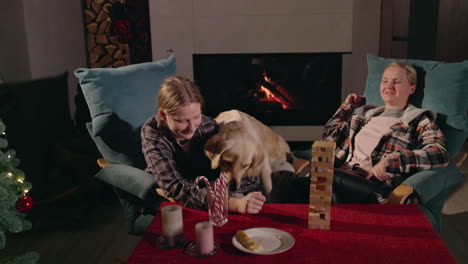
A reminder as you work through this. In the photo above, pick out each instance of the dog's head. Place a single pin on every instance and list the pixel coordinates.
(235, 152)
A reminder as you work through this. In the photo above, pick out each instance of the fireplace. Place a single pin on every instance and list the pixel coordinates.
(282, 89)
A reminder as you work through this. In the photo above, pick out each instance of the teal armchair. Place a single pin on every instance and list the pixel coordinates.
(442, 88)
(120, 100)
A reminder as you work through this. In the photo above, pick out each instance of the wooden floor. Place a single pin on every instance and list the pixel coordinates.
(454, 231)
(102, 237)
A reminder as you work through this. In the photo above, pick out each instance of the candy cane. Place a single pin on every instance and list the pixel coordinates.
(204, 179)
(219, 202)
(220, 195)
(223, 180)
(224, 188)
(208, 186)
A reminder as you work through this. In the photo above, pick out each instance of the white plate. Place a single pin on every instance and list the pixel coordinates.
(273, 240)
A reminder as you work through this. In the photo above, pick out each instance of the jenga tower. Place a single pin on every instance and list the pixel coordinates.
(321, 181)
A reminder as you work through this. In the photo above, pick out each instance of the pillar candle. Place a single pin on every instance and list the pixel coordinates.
(172, 221)
(204, 237)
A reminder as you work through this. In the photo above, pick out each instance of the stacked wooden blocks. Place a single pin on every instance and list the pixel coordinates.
(321, 181)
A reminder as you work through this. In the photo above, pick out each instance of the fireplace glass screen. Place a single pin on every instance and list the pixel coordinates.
(277, 89)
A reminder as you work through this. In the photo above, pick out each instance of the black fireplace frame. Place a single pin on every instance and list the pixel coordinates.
(217, 74)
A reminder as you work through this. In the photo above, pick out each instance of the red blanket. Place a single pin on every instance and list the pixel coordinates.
(358, 234)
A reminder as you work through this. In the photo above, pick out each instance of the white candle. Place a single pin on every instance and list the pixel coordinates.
(172, 221)
(204, 237)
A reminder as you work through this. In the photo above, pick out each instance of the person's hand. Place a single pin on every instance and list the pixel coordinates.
(379, 171)
(252, 203)
(255, 201)
(355, 100)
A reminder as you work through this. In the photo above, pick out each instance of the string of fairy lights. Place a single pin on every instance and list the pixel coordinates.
(8, 164)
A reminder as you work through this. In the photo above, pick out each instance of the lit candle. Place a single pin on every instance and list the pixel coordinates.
(172, 223)
(204, 237)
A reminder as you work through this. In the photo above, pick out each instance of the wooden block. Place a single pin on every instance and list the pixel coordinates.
(315, 198)
(320, 207)
(319, 223)
(320, 165)
(315, 175)
(319, 178)
(321, 187)
(319, 220)
(320, 203)
(323, 225)
(314, 207)
(320, 194)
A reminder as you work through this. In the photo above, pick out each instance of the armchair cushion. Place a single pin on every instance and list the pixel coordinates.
(442, 87)
(121, 146)
(120, 100)
(129, 179)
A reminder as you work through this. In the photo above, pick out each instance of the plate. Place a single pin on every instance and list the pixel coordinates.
(273, 240)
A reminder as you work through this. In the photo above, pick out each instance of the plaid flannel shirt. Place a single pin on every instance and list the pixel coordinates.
(413, 144)
(175, 171)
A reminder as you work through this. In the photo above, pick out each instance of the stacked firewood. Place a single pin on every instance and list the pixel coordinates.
(105, 48)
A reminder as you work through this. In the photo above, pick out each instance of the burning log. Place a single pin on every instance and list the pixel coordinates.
(274, 94)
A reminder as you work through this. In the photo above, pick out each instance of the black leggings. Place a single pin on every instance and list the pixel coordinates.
(347, 189)
(354, 189)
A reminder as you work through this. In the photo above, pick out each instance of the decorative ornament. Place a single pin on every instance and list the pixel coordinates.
(122, 26)
(24, 204)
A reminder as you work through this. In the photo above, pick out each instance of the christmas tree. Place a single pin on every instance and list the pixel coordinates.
(14, 199)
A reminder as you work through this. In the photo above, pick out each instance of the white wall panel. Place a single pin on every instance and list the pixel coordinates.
(269, 7)
(251, 26)
(171, 8)
(178, 37)
(273, 34)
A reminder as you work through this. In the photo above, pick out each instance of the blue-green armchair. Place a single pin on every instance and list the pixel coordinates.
(120, 100)
(442, 88)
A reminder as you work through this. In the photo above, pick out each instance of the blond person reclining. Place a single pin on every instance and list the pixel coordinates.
(379, 146)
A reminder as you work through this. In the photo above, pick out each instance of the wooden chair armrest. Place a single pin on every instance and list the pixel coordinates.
(299, 164)
(400, 194)
(102, 162)
(459, 159)
(160, 192)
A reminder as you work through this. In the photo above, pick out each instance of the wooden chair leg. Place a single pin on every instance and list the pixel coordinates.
(160, 192)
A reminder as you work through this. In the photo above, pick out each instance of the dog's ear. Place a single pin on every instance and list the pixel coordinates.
(214, 157)
(214, 148)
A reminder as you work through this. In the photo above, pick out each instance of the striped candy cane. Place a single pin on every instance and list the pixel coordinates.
(217, 202)
(220, 196)
(208, 187)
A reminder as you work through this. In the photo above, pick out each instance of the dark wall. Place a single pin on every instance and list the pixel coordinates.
(422, 29)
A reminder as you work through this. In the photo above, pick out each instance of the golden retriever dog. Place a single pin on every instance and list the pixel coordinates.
(245, 147)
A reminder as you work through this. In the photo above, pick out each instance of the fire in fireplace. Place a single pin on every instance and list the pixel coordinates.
(278, 89)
